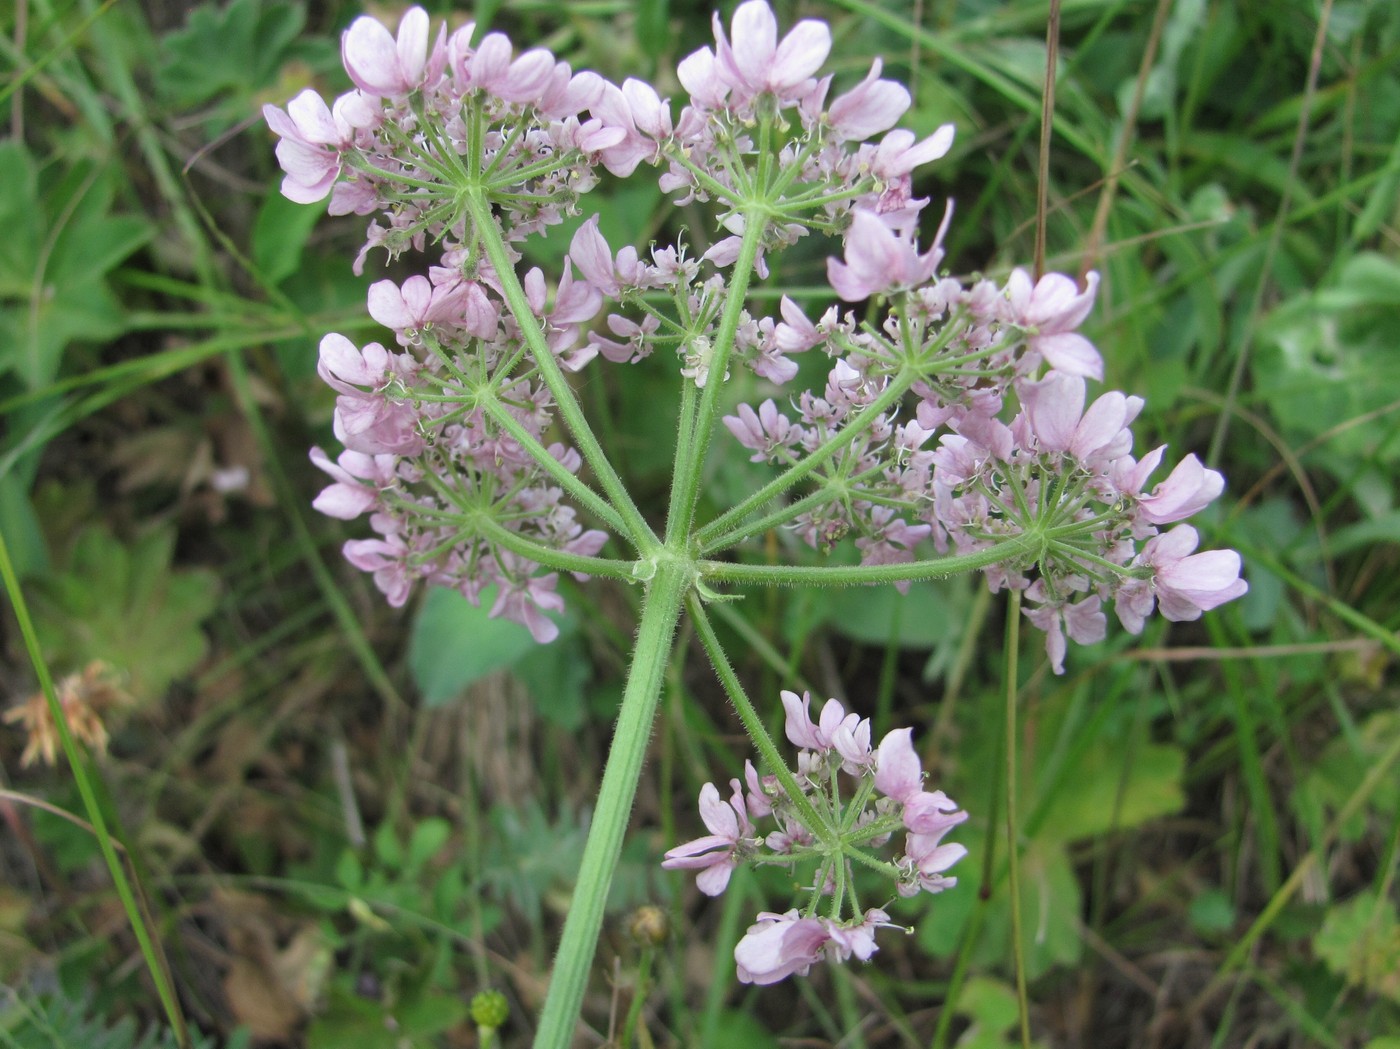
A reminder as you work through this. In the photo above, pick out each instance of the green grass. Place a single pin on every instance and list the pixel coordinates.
(1207, 814)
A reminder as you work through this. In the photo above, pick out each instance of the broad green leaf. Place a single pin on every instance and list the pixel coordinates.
(279, 235)
(227, 52)
(454, 643)
(1150, 779)
(929, 614)
(555, 675)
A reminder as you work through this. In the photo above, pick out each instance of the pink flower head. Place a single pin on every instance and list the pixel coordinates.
(1052, 309)
(717, 854)
(879, 260)
(381, 65)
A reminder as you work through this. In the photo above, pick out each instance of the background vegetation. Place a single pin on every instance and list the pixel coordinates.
(347, 820)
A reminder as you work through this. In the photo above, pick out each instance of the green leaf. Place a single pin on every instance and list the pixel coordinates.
(929, 614)
(228, 53)
(740, 1027)
(386, 846)
(1150, 780)
(1360, 941)
(993, 1010)
(127, 606)
(555, 675)
(279, 235)
(1050, 906)
(427, 840)
(454, 643)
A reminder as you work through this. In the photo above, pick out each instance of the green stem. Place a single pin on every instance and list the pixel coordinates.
(660, 613)
(690, 454)
(1013, 850)
(489, 234)
(856, 426)
(135, 915)
(549, 556)
(566, 480)
(757, 731)
(1017, 549)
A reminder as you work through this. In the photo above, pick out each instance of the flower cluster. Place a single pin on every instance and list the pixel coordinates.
(821, 818)
(760, 140)
(436, 452)
(426, 116)
(446, 447)
(1000, 445)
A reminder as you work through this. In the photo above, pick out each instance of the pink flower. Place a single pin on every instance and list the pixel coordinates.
(418, 303)
(358, 479)
(898, 154)
(768, 432)
(1096, 438)
(716, 854)
(381, 65)
(524, 598)
(819, 737)
(898, 772)
(1187, 490)
(312, 137)
(590, 252)
(879, 260)
(1053, 308)
(929, 859)
(756, 61)
(856, 937)
(1185, 584)
(1082, 620)
(778, 946)
(699, 74)
(387, 558)
(931, 812)
(872, 106)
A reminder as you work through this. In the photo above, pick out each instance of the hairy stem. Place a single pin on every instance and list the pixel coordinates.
(489, 234)
(660, 611)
